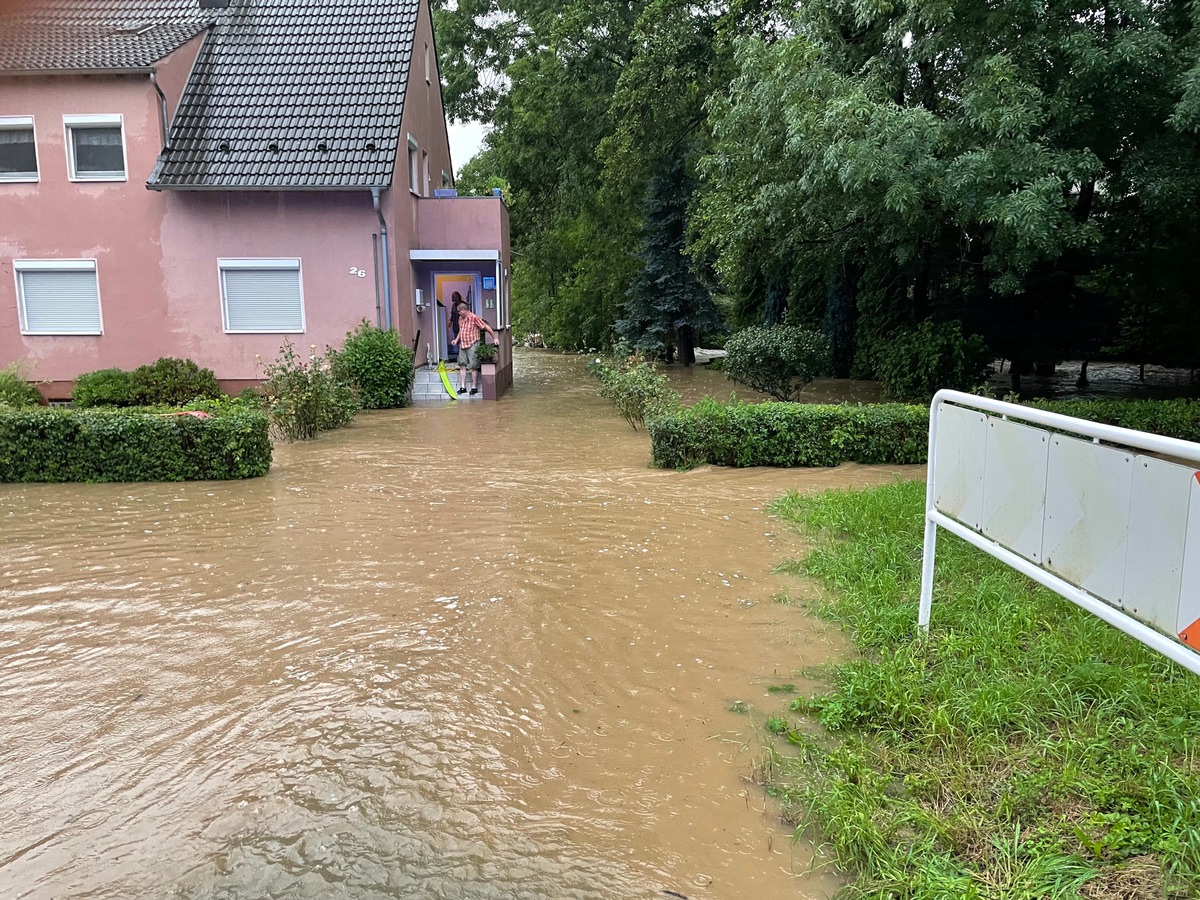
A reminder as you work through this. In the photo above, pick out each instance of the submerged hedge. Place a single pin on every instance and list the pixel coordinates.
(93, 445)
(811, 435)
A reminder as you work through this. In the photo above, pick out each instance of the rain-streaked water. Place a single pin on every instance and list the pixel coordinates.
(474, 652)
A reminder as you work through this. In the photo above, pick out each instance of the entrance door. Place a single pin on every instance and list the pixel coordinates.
(446, 285)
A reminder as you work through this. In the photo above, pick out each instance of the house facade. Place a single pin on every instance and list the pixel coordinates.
(209, 178)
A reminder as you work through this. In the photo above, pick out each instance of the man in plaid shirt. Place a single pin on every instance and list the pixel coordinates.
(467, 340)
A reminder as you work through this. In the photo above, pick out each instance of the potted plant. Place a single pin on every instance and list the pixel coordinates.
(486, 353)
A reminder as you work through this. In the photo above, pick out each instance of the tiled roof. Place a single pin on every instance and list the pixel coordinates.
(294, 94)
(62, 35)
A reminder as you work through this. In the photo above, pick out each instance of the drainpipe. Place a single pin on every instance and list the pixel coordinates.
(375, 269)
(383, 239)
(162, 110)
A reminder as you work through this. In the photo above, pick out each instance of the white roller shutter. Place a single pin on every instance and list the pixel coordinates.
(59, 301)
(262, 298)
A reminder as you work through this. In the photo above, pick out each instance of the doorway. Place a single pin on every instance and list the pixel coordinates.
(445, 286)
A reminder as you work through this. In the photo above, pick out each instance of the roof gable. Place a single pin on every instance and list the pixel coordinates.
(293, 94)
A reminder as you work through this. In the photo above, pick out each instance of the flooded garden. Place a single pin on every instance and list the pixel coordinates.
(483, 651)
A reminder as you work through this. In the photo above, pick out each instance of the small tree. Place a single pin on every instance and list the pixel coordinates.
(375, 362)
(778, 360)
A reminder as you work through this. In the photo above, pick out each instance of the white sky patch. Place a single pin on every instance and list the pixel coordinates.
(466, 139)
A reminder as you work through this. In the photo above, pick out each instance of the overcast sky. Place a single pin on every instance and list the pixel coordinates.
(465, 141)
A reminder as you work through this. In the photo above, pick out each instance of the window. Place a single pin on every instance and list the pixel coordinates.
(414, 166)
(58, 296)
(427, 68)
(445, 179)
(424, 174)
(18, 149)
(261, 296)
(95, 148)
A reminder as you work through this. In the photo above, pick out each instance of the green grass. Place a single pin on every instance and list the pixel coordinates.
(1024, 749)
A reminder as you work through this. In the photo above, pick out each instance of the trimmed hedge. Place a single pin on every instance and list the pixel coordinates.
(60, 444)
(789, 434)
(797, 434)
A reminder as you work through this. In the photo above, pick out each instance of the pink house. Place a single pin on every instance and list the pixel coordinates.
(207, 178)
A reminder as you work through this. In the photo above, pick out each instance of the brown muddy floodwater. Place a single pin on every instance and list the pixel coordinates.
(472, 652)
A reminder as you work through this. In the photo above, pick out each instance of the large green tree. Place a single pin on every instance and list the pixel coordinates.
(959, 160)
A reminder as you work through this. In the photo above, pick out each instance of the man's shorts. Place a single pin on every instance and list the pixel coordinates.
(468, 357)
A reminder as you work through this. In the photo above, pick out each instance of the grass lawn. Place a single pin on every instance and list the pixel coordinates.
(1024, 749)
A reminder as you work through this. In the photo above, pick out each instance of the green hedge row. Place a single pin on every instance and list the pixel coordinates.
(788, 434)
(93, 445)
(797, 434)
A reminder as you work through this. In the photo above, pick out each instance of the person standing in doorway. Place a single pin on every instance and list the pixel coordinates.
(467, 340)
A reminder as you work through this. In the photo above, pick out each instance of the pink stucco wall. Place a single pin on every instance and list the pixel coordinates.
(157, 252)
(461, 223)
(115, 223)
(174, 71)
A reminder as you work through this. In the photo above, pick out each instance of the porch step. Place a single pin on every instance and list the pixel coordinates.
(427, 387)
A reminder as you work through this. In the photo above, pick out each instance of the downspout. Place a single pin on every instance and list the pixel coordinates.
(162, 110)
(383, 239)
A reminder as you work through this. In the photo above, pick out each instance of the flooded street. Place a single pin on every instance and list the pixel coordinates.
(472, 652)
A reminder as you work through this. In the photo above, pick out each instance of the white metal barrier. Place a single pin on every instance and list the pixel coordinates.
(1107, 517)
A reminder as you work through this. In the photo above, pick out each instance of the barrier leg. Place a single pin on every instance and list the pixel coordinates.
(927, 574)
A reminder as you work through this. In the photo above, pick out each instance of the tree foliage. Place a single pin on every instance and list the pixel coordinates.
(989, 163)
(1031, 171)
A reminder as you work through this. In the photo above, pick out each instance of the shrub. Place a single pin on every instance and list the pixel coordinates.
(302, 399)
(15, 390)
(172, 382)
(789, 434)
(97, 445)
(106, 387)
(377, 364)
(778, 360)
(797, 434)
(639, 391)
(917, 363)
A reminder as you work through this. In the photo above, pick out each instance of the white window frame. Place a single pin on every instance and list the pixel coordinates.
(414, 163)
(21, 123)
(55, 265)
(424, 173)
(428, 70)
(104, 120)
(224, 265)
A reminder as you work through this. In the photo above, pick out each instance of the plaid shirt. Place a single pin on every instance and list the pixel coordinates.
(469, 325)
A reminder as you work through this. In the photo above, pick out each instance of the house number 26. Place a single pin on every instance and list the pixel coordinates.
(355, 270)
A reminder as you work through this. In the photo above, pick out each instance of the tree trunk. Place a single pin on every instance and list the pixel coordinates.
(687, 346)
(1082, 380)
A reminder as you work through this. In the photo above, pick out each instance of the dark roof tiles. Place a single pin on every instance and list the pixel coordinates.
(294, 73)
(64, 35)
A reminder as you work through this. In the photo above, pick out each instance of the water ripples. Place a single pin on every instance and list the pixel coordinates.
(462, 653)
